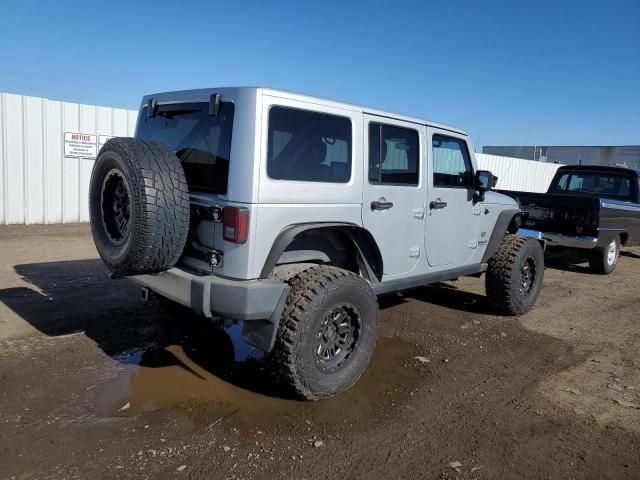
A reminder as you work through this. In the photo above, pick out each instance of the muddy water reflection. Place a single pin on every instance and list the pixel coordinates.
(217, 375)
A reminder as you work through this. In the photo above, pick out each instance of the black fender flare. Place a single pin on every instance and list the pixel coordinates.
(500, 229)
(605, 235)
(362, 239)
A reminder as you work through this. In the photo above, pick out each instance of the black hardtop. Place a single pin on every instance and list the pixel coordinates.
(598, 168)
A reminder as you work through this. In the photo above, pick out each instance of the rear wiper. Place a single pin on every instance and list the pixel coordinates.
(172, 109)
(169, 112)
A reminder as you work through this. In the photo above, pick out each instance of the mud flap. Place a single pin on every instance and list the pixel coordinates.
(262, 333)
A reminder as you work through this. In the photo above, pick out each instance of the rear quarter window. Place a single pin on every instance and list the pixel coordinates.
(308, 146)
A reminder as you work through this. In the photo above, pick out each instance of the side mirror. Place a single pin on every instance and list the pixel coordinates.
(484, 181)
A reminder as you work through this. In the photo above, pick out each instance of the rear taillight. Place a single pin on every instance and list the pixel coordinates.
(235, 224)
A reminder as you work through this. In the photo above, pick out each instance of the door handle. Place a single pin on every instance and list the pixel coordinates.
(437, 204)
(381, 204)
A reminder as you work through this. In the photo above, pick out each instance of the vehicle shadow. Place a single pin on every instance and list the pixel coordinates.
(442, 294)
(568, 262)
(626, 253)
(449, 296)
(68, 297)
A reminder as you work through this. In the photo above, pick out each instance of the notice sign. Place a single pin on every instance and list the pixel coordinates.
(83, 145)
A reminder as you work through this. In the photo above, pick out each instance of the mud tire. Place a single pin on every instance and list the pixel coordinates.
(315, 294)
(504, 279)
(143, 179)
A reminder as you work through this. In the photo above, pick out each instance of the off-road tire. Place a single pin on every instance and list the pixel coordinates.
(504, 279)
(599, 260)
(145, 179)
(315, 294)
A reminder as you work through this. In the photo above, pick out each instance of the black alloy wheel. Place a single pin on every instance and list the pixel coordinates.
(115, 207)
(527, 276)
(338, 337)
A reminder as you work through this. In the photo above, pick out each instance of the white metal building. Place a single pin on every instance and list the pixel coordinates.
(47, 151)
(43, 178)
(518, 174)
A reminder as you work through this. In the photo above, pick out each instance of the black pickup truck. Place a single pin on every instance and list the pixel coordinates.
(589, 209)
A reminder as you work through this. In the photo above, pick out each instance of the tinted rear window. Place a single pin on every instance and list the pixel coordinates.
(308, 146)
(201, 141)
(393, 155)
(608, 185)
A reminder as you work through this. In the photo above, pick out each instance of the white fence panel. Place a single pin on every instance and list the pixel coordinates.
(3, 165)
(518, 174)
(53, 162)
(14, 162)
(38, 183)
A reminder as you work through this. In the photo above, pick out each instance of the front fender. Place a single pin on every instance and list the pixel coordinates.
(500, 229)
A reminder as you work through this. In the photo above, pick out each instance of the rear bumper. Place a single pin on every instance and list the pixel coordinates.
(559, 239)
(258, 302)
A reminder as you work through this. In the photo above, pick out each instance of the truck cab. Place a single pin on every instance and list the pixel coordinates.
(588, 209)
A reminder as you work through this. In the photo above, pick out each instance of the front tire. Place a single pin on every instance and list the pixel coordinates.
(603, 260)
(515, 275)
(327, 333)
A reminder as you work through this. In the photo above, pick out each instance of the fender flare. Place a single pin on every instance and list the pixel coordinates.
(605, 235)
(362, 239)
(499, 231)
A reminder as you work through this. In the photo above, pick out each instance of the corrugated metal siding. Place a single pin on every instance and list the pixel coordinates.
(38, 184)
(518, 174)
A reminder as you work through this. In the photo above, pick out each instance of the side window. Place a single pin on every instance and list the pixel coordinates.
(393, 155)
(308, 146)
(451, 163)
(562, 182)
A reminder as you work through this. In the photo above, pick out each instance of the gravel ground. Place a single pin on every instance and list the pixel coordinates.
(95, 384)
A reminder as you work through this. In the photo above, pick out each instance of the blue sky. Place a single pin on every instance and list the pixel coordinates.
(509, 72)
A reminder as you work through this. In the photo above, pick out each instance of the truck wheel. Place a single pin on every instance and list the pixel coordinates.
(603, 260)
(515, 274)
(138, 206)
(327, 333)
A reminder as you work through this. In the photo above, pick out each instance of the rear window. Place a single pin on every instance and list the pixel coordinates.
(393, 155)
(308, 146)
(608, 185)
(201, 141)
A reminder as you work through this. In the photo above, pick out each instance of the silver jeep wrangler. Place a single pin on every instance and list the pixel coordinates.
(293, 213)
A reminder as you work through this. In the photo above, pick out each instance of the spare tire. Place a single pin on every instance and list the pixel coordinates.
(138, 206)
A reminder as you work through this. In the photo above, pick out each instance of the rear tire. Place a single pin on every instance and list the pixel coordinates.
(139, 206)
(603, 260)
(515, 275)
(327, 333)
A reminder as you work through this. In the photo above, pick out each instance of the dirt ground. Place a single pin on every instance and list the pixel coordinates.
(96, 384)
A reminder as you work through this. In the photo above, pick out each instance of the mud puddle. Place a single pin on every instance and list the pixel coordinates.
(218, 376)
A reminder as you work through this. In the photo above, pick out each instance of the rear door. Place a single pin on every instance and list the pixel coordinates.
(453, 218)
(393, 207)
